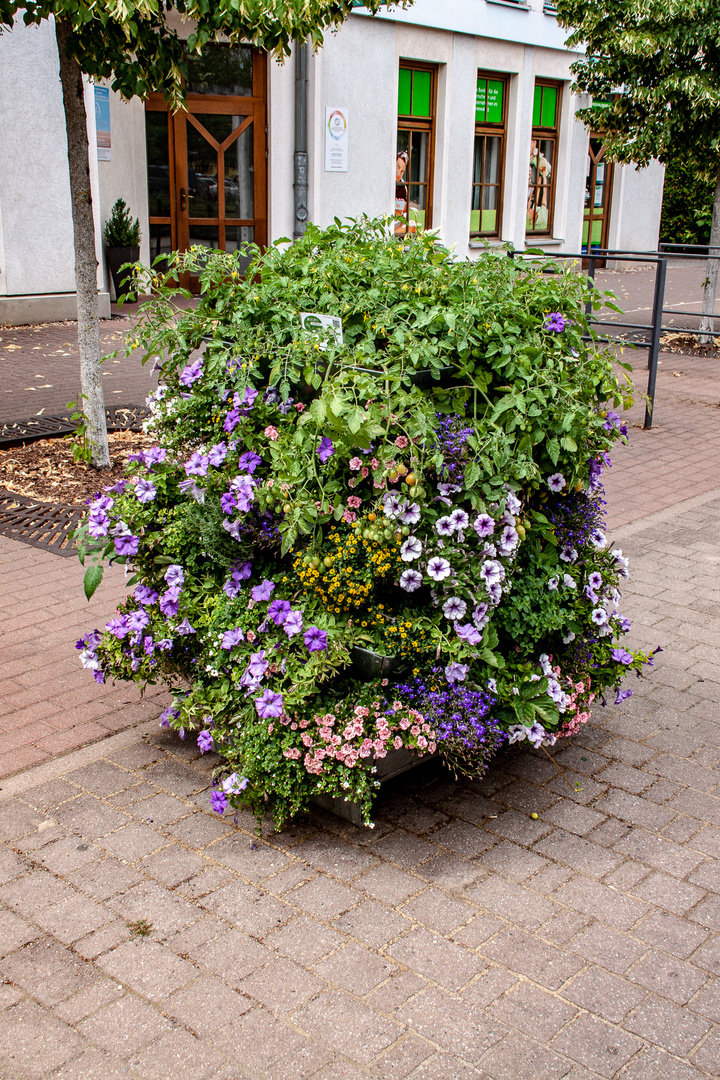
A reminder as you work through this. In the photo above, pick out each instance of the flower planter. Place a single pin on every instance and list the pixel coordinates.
(394, 764)
(117, 257)
(368, 665)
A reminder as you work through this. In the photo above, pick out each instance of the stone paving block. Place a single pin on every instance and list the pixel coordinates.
(637, 811)
(442, 1066)
(513, 825)
(597, 1045)
(17, 819)
(403, 848)
(73, 918)
(199, 829)
(520, 906)
(527, 798)
(258, 1040)
(133, 842)
(100, 992)
(200, 885)
(355, 969)
(707, 876)
(48, 796)
(303, 1062)
(124, 1026)
(604, 994)
(606, 947)
(206, 1005)
(89, 817)
(101, 778)
(159, 809)
(340, 860)
(14, 932)
(515, 1053)
(436, 958)
(563, 927)
(664, 1024)
(669, 893)
(33, 1042)
(388, 884)
(671, 933)
(12, 866)
(249, 909)
(668, 976)
(527, 955)
(532, 1011)
(573, 817)
(488, 986)
(627, 777)
(148, 967)
(456, 1026)
(512, 861)
(104, 878)
(231, 956)
(282, 986)
(173, 865)
(47, 970)
(407, 1054)
(305, 940)
(247, 856)
(324, 898)
(451, 872)
(102, 940)
(92, 1065)
(708, 1055)
(439, 911)
(659, 854)
(578, 853)
(602, 902)
(179, 1055)
(175, 778)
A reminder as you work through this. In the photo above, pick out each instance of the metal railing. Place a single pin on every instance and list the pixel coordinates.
(652, 331)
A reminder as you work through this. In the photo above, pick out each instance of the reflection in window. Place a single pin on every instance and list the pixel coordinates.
(487, 185)
(222, 69)
(413, 161)
(543, 154)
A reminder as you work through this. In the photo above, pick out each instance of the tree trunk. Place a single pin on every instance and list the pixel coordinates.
(711, 279)
(93, 404)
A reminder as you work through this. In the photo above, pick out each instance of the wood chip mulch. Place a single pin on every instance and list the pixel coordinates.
(46, 470)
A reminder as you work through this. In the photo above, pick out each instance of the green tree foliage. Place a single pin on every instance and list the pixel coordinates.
(657, 63)
(687, 205)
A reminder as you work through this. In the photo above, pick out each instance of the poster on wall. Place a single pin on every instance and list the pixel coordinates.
(102, 122)
(336, 139)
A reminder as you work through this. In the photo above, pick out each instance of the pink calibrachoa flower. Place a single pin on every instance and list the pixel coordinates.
(349, 516)
(300, 406)
(355, 464)
(402, 442)
(271, 433)
(365, 472)
(375, 464)
(354, 502)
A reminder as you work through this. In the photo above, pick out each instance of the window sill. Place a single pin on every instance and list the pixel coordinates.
(477, 243)
(543, 241)
(510, 4)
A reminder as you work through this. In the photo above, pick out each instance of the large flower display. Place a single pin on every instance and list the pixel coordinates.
(371, 537)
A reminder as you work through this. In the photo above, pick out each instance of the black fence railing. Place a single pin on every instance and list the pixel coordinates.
(644, 335)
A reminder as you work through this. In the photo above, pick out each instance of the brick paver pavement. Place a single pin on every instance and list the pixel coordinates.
(142, 937)
(48, 704)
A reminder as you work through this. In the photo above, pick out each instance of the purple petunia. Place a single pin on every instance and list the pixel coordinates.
(227, 502)
(555, 322)
(484, 525)
(145, 491)
(205, 742)
(217, 454)
(454, 608)
(509, 540)
(315, 639)
(231, 421)
(556, 482)
(145, 595)
(622, 695)
(455, 672)
(293, 623)
(249, 396)
(469, 634)
(155, 455)
(169, 602)
(595, 580)
(410, 580)
(279, 611)
(600, 616)
(127, 544)
(249, 462)
(459, 520)
(197, 465)
(439, 568)
(491, 572)
(175, 576)
(269, 705)
(185, 628)
(326, 449)
(263, 591)
(218, 802)
(98, 523)
(622, 656)
(191, 372)
(234, 784)
(411, 549)
(231, 638)
(444, 526)
(258, 665)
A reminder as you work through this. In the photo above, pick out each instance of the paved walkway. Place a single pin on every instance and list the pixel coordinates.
(143, 937)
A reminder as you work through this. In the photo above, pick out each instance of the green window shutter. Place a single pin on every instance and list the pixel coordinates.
(549, 107)
(422, 83)
(495, 101)
(536, 106)
(404, 91)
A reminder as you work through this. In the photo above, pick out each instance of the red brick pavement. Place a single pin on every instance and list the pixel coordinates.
(49, 705)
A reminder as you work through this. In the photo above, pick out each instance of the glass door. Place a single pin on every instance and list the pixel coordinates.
(598, 195)
(206, 164)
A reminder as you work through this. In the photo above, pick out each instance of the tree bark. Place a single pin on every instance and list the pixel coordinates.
(711, 278)
(93, 404)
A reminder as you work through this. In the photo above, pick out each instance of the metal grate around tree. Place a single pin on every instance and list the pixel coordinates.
(20, 432)
(43, 525)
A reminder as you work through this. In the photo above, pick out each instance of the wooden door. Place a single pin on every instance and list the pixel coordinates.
(207, 177)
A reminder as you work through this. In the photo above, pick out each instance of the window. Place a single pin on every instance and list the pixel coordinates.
(543, 158)
(415, 147)
(488, 161)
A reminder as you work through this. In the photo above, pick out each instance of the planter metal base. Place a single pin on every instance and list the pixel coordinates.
(395, 763)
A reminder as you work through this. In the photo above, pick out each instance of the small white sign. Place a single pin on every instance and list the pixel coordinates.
(320, 324)
(336, 139)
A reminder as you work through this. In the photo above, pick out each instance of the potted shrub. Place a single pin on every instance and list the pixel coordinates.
(122, 244)
(386, 564)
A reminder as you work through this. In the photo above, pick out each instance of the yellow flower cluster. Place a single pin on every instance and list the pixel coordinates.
(345, 574)
(398, 636)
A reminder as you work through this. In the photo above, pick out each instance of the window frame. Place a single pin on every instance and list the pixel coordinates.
(539, 132)
(409, 123)
(497, 130)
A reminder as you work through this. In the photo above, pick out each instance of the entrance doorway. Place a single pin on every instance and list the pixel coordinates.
(598, 197)
(207, 165)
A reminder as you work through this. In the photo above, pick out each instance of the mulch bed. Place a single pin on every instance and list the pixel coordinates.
(688, 345)
(46, 470)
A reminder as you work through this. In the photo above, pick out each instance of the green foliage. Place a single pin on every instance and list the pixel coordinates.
(136, 45)
(81, 448)
(687, 204)
(120, 229)
(425, 490)
(664, 54)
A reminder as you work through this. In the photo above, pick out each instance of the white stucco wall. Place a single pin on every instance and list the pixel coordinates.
(636, 207)
(125, 175)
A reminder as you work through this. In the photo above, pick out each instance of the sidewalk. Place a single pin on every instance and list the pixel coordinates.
(142, 937)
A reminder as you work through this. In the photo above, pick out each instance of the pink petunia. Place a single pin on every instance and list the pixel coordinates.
(401, 442)
(271, 433)
(355, 464)
(354, 502)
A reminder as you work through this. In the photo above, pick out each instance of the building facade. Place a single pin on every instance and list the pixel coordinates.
(455, 116)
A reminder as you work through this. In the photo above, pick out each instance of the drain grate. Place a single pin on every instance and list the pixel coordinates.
(43, 525)
(20, 432)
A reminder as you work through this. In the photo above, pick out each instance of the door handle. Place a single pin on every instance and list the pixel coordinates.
(183, 198)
